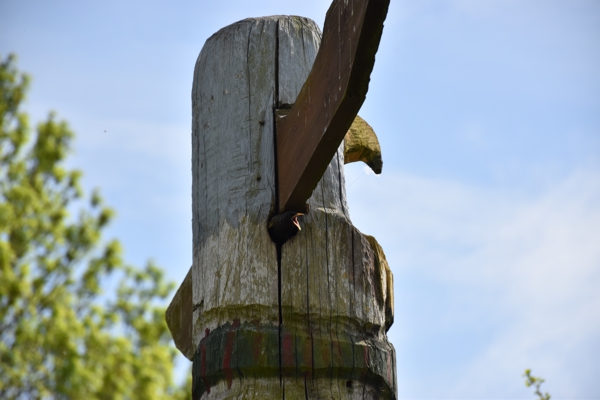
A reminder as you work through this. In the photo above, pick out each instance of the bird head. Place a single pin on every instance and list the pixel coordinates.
(284, 226)
(295, 220)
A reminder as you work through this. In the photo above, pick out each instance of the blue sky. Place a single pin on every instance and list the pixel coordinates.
(488, 208)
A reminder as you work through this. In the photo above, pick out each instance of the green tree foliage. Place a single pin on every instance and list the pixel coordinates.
(535, 382)
(60, 336)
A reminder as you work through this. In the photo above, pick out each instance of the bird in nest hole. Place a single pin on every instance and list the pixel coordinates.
(284, 226)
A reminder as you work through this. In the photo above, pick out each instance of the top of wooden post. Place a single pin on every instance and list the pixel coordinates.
(308, 318)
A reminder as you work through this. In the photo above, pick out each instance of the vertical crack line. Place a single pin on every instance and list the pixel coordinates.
(280, 336)
(275, 105)
(276, 102)
(329, 294)
(305, 389)
(278, 246)
(367, 367)
(308, 326)
(340, 164)
(307, 286)
(354, 307)
(277, 65)
(353, 357)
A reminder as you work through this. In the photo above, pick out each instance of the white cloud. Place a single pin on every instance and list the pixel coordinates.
(512, 280)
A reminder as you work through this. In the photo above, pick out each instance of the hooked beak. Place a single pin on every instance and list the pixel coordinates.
(295, 220)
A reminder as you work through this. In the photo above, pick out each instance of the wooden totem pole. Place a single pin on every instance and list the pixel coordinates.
(272, 103)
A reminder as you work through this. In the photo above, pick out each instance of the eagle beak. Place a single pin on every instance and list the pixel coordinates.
(295, 220)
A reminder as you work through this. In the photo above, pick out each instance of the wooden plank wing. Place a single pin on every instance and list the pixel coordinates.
(328, 102)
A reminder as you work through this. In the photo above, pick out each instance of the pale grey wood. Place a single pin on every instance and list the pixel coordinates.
(261, 72)
(331, 281)
(298, 44)
(235, 265)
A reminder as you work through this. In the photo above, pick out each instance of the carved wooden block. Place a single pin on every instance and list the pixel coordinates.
(311, 320)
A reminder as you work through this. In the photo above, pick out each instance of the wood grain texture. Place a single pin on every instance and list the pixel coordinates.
(330, 341)
(298, 44)
(341, 305)
(235, 263)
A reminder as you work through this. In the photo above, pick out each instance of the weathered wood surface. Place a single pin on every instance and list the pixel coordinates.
(235, 263)
(321, 333)
(329, 99)
(360, 144)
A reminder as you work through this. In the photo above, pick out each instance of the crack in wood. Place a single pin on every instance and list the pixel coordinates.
(291, 339)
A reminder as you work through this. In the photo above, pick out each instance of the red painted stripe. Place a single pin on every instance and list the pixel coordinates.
(288, 350)
(228, 351)
(258, 342)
